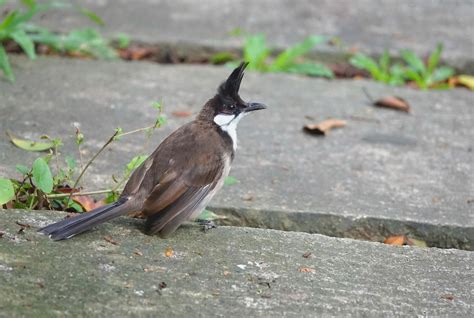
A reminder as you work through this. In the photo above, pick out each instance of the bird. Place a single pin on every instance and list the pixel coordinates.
(176, 182)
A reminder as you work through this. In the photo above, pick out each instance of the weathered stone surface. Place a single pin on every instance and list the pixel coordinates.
(385, 173)
(226, 272)
(363, 24)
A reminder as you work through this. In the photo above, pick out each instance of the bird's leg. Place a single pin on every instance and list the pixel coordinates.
(206, 224)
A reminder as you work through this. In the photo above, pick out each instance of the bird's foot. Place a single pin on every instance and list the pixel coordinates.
(206, 224)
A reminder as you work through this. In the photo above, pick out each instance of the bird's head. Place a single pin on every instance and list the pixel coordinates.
(227, 106)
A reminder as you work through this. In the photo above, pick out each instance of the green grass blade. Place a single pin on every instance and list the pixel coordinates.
(311, 69)
(413, 61)
(9, 19)
(5, 64)
(256, 52)
(288, 57)
(384, 62)
(367, 63)
(92, 16)
(433, 60)
(20, 37)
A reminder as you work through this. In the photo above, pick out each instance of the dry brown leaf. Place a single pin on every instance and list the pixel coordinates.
(323, 127)
(88, 203)
(304, 269)
(135, 53)
(109, 239)
(226, 273)
(396, 240)
(393, 102)
(181, 113)
(307, 255)
(169, 252)
(447, 296)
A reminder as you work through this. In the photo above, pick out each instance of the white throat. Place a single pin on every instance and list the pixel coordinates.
(228, 123)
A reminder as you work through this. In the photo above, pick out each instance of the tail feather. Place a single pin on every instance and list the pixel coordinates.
(69, 227)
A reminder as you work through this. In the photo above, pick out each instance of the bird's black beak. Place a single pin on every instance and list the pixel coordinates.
(254, 106)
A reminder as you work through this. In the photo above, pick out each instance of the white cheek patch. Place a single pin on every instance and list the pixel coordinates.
(228, 123)
(223, 120)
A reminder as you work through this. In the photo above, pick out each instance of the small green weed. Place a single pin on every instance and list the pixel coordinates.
(291, 60)
(17, 27)
(425, 75)
(39, 187)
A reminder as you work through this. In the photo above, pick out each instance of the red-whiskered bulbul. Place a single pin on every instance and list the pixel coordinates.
(182, 175)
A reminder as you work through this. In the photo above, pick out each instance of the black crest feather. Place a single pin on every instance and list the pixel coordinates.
(232, 85)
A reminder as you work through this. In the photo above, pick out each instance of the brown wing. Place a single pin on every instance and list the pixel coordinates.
(180, 175)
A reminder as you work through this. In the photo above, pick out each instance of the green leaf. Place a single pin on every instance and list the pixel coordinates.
(135, 163)
(123, 40)
(256, 52)
(92, 16)
(8, 20)
(441, 74)
(209, 216)
(367, 63)
(5, 65)
(433, 60)
(236, 32)
(414, 76)
(413, 61)
(20, 37)
(312, 69)
(384, 62)
(288, 57)
(396, 75)
(73, 204)
(24, 170)
(42, 177)
(29, 3)
(230, 180)
(28, 144)
(6, 191)
(71, 162)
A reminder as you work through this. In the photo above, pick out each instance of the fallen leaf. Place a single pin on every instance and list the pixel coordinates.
(323, 127)
(109, 239)
(182, 113)
(169, 252)
(462, 80)
(304, 269)
(307, 254)
(29, 145)
(447, 296)
(395, 240)
(415, 242)
(226, 273)
(87, 202)
(393, 102)
(135, 53)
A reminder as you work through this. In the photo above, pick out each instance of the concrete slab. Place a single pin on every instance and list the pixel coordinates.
(385, 173)
(227, 272)
(363, 24)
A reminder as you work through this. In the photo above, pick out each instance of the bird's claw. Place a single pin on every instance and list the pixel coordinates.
(207, 225)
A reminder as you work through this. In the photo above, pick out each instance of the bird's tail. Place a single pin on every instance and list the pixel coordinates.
(69, 227)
